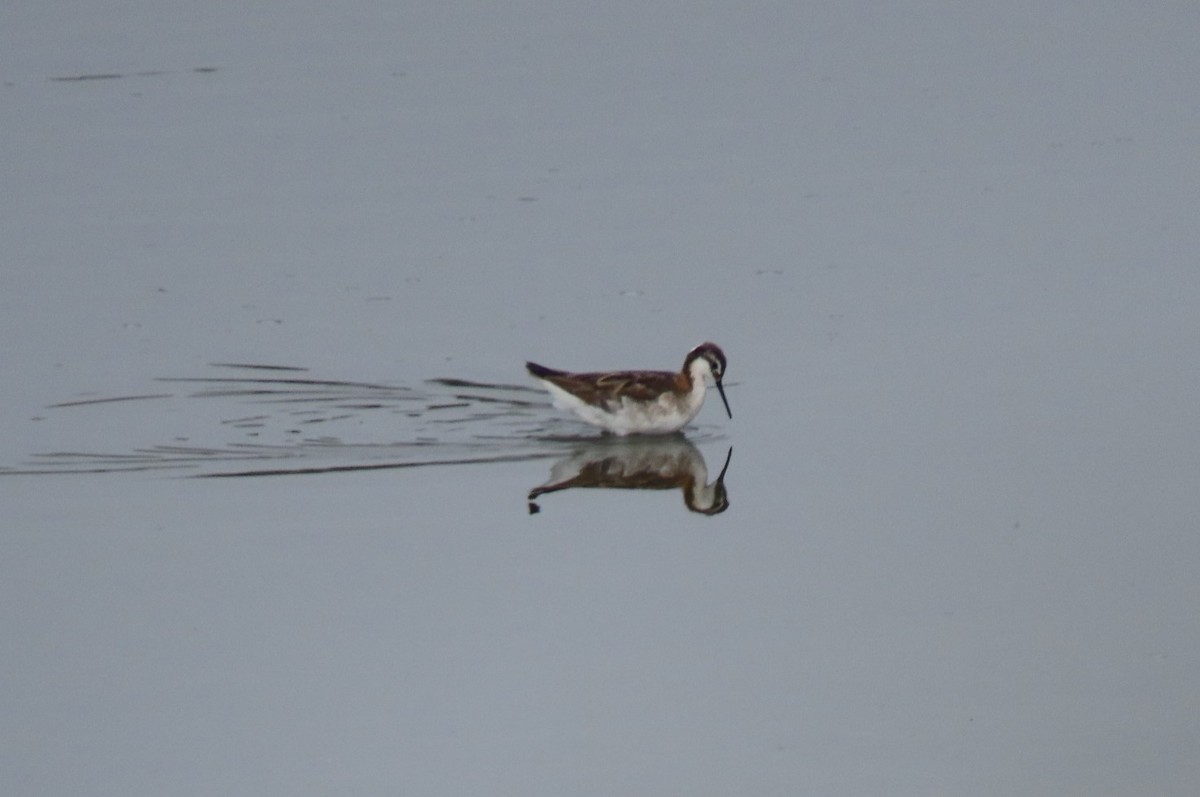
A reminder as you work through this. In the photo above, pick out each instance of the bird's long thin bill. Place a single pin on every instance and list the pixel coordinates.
(721, 390)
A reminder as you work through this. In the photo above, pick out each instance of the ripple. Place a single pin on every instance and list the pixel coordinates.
(282, 420)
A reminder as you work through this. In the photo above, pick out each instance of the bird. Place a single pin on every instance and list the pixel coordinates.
(638, 402)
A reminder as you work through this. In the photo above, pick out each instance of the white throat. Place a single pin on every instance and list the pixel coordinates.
(700, 372)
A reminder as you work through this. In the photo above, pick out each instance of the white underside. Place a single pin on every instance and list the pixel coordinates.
(669, 414)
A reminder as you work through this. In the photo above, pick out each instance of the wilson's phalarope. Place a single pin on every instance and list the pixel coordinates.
(638, 402)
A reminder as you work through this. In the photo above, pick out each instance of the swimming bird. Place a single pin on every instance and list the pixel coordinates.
(638, 402)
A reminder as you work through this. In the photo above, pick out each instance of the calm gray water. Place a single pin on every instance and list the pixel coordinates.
(268, 280)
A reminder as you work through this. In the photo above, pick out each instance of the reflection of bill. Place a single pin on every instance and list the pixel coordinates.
(640, 464)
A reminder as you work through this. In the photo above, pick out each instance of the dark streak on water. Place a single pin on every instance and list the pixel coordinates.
(85, 402)
(255, 366)
(375, 466)
(197, 70)
(263, 381)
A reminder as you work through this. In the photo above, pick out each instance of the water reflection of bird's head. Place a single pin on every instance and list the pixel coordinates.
(650, 463)
(709, 499)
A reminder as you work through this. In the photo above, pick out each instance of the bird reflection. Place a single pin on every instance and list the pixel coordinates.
(640, 464)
